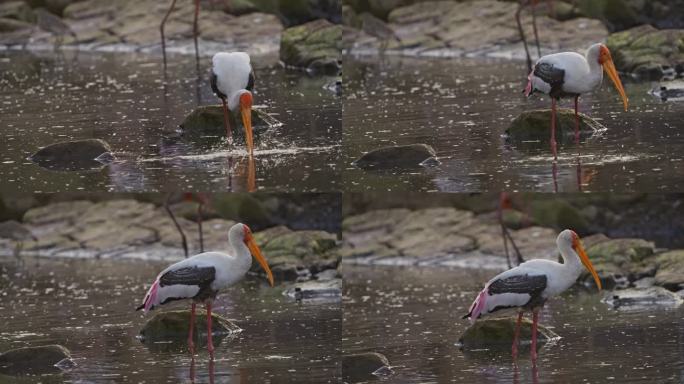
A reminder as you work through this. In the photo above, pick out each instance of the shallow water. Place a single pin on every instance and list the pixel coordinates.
(48, 97)
(88, 306)
(413, 316)
(463, 106)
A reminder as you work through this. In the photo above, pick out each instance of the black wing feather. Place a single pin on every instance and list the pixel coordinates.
(201, 276)
(532, 285)
(551, 75)
(250, 82)
(214, 86)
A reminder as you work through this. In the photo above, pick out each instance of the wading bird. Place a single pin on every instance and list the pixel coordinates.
(201, 277)
(195, 29)
(569, 74)
(232, 80)
(529, 285)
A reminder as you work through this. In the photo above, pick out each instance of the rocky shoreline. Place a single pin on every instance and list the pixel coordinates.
(488, 28)
(451, 237)
(255, 27)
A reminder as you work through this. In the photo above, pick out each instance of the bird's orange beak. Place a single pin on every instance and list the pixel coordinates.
(246, 111)
(577, 245)
(606, 60)
(256, 252)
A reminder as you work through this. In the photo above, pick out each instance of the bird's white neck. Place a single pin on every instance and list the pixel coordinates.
(595, 69)
(243, 257)
(571, 261)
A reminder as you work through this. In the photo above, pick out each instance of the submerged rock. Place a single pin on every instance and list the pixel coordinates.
(640, 298)
(648, 52)
(74, 155)
(490, 333)
(40, 360)
(207, 120)
(364, 366)
(173, 325)
(669, 90)
(670, 269)
(330, 289)
(292, 254)
(398, 156)
(316, 46)
(536, 126)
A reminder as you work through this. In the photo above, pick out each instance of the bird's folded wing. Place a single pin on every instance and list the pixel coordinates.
(550, 74)
(530, 284)
(188, 276)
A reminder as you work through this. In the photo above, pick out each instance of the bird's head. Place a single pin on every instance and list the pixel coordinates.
(245, 233)
(570, 237)
(245, 101)
(606, 61)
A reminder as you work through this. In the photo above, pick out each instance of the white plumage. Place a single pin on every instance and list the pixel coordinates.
(529, 285)
(232, 70)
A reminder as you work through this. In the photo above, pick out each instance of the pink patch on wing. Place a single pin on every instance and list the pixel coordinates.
(478, 305)
(151, 296)
(528, 88)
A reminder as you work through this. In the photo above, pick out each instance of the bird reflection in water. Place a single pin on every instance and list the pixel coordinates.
(533, 370)
(211, 368)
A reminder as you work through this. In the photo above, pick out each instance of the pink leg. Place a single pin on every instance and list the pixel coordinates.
(195, 28)
(535, 319)
(553, 128)
(161, 29)
(516, 336)
(191, 342)
(226, 120)
(577, 135)
(210, 334)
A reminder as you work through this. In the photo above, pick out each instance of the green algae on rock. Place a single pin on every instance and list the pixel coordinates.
(315, 46)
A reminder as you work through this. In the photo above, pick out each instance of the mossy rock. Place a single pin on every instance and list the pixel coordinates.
(500, 332)
(17, 10)
(11, 25)
(618, 261)
(174, 325)
(241, 7)
(242, 207)
(315, 46)
(536, 126)
(292, 253)
(74, 155)
(362, 366)
(207, 120)
(39, 360)
(670, 272)
(398, 156)
(647, 51)
(558, 214)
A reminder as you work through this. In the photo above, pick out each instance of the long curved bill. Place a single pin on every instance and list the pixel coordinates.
(585, 260)
(256, 252)
(247, 122)
(609, 67)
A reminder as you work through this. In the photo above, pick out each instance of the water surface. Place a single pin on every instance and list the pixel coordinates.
(462, 107)
(88, 306)
(413, 316)
(124, 98)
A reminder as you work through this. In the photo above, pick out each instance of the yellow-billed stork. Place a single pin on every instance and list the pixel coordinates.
(201, 277)
(232, 80)
(529, 285)
(195, 29)
(569, 74)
